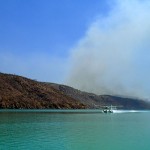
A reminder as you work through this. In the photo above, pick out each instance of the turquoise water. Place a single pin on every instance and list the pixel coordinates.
(74, 130)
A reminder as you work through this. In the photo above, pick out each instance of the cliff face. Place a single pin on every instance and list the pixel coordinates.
(22, 93)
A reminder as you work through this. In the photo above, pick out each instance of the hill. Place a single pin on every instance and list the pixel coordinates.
(22, 93)
(18, 92)
(96, 101)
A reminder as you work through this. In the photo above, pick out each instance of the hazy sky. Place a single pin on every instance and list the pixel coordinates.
(36, 35)
(101, 46)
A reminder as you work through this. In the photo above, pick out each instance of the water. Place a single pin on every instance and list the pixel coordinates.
(74, 130)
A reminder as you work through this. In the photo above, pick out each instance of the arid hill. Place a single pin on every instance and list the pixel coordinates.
(22, 93)
(18, 92)
(97, 101)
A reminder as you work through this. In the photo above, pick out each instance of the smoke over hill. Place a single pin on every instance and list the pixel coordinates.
(113, 57)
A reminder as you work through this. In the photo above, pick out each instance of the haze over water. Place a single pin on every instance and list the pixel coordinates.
(70, 130)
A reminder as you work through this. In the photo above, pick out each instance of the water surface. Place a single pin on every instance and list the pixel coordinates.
(74, 130)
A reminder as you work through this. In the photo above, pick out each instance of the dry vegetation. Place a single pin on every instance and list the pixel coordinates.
(22, 93)
(17, 92)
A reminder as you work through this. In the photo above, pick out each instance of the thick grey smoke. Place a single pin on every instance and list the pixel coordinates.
(114, 55)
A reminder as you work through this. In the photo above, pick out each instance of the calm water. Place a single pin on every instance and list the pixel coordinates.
(92, 130)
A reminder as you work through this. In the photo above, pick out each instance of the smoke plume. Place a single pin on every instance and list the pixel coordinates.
(114, 55)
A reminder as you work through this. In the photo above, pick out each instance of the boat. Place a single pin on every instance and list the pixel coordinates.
(109, 109)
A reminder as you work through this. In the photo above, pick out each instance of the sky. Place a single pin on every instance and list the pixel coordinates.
(36, 35)
(99, 46)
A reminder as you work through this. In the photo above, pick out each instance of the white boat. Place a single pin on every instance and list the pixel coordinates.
(109, 109)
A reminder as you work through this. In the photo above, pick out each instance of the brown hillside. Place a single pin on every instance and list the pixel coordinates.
(97, 101)
(22, 93)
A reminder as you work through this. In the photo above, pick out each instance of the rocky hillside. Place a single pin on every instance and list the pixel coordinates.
(17, 92)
